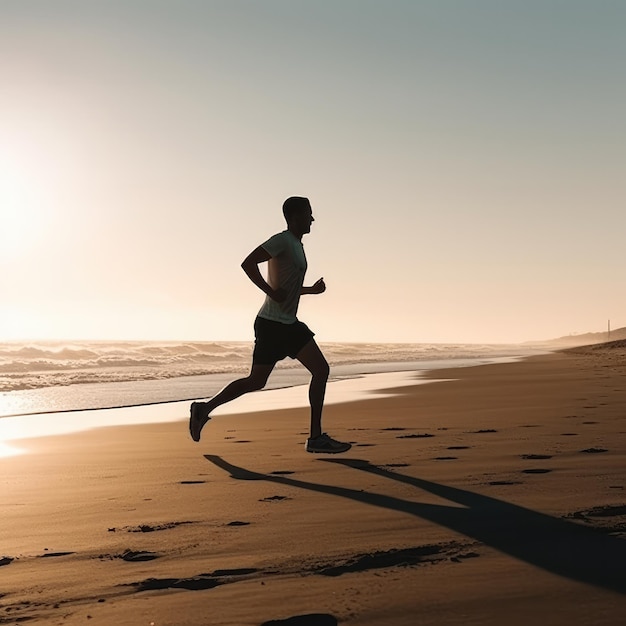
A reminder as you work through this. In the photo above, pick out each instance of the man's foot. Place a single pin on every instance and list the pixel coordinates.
(327, 444)
(198, 417)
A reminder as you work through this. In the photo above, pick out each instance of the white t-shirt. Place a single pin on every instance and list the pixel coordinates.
(286, 269)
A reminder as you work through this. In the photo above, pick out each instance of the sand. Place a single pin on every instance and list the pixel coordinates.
(495, 497)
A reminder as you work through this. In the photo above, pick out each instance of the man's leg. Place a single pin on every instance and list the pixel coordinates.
(312, 358)
(253, 382)
(200, 411)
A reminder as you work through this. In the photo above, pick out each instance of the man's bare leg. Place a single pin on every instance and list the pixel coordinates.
(200, 411)
(312, 358)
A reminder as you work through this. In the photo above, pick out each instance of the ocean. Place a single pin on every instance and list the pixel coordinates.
(49, 377)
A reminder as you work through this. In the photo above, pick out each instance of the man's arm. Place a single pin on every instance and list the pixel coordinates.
(318, 287)
(250, 266)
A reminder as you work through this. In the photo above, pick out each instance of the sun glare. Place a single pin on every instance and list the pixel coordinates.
(21, 202)
(18, 202)
(7, 451)
(33, 167)
(10, 429)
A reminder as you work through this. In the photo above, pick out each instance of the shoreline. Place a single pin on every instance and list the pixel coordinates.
(14, 429)
(87, 396)
(349, 388)
(500, 495)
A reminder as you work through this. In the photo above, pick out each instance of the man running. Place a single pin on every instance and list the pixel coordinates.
(278, 332)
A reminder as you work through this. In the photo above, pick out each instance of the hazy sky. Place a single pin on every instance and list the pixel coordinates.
(464, 160)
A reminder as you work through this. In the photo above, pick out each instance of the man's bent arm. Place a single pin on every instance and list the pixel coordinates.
(250, 266)
(318, 287)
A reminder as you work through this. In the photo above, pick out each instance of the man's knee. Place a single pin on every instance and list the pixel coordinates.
(256, 384)
(322, 371)
(256, 381)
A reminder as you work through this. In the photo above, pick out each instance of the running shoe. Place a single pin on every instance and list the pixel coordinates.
(197, 419)
(326, 444)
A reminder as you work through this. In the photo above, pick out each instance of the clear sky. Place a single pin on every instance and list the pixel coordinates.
(464, 159)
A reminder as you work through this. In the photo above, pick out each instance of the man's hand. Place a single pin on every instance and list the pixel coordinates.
(318, 287)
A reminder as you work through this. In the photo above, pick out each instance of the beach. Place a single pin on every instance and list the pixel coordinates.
(496, 494)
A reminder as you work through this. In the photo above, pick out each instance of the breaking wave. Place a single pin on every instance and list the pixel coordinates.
(36, 365)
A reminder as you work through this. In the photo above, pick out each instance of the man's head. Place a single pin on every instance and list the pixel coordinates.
(298, 214)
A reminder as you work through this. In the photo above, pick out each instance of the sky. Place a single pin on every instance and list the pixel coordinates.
(464, 160)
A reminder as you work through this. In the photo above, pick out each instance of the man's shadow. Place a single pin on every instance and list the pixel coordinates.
(576, 552)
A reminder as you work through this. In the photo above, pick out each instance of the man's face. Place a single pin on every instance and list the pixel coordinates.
(303, 220)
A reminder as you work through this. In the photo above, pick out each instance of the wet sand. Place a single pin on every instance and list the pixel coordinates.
(497, 496)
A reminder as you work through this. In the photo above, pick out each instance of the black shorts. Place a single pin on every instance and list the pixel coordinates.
(274, 340)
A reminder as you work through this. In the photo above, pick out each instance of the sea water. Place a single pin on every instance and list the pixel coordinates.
(50, 377)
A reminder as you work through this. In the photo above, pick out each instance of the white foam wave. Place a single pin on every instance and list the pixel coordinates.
(47, 364)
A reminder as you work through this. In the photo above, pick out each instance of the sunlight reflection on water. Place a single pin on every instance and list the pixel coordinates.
(50, 424)
(7, 451)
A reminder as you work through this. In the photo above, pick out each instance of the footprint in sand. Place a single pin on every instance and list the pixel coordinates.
(569, 434)
(446, 458)
(311, 619)
(194, 583)
(148, 528)
(238, 523)
(415, 436)
(537, 470)
(609, 510)
(136, 557)
(197, 583)
(504, 482)
(483, 431)
(594, 450)
(395, 557)
(274, 499)
(192, 482)
(465, 555)
(535, 457)
(458, 447)
(5, 560)
(393, 428)
(237, 571)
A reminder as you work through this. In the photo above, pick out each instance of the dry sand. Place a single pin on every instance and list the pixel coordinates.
(496, 497)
